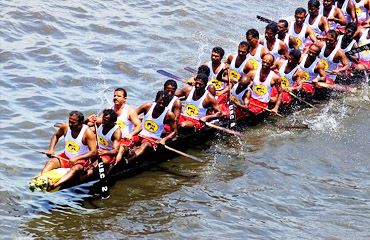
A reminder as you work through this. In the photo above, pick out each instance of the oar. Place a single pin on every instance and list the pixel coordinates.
(336, 87)
(170, 75)
(227, 130)
(262, 19)
(192, 70)
(304, 101)
(265, 109)
(43, 152)
(58, 124)
(359, 49)
(231, 105)
(174, 150)
(102, 173)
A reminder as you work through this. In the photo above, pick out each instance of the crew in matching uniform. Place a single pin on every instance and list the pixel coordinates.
(347, 41)
(334, 15)
(362, 10)
(284, 36)
(274, 45)
(238, 63)
(349, 10)
(256, 50)
(239, 95)
(315, 20)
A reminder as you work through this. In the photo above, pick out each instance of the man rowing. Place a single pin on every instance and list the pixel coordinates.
(174, 105)
(239, 97)
(334, 15)
(347, 41)
(349, 10)
(291, 76)
(256, 50)
(263, 81)
(198, 102)
(156, 115)
(274, 45)
(332, 56)
(283, 35)
(315, 20)
(127, 120)
(238, 63)
(216, 67)
(299, 30)
(80, 147)
(362, 10)
(364, 56)
(313, 70)
(206, 70)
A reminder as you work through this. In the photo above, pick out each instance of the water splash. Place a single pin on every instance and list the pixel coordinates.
(103, 87)
(203, 46)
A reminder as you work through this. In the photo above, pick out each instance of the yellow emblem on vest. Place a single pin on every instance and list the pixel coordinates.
(254, 63)
(150, 126)
(299, 41)
(234, 74)
(72, 147)
(260, 90)
(364, 51)
(306, 76)
(284, 82)
(121, 124)
(191, 110)
(235, 99)
(358, 11)
(216, 83)
(103, 141)
(326, 64)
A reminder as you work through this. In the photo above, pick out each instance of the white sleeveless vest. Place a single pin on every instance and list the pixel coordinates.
(105, 141)
(171, 103)
(309, 72)
(364, 55)
(299, 37)
(361, 11)
(125, 125)
(328, 61)
(213, 77)
(74, 146)
(287, 78)
(237, 72)
(333, 25)
(275, 49)
(238, 97)
(195, 108)
(344, 10)
(153, 127)
(261, 91)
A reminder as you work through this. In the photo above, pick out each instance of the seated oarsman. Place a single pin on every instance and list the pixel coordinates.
(315, 20)
(238, 63)
(206, 70)
(349, 10)
(364, 56)
(263, 81)
(256, 50)
(334, 15)
(198, 102)
(291, 76)
(347, 41)
(284, 36)
(313, 70)
(362, 10)
(274, 45)
(127, 120)
(299, 30)
(80, 147)
(156, 115)
(216, 67)
(238, 96)
(332, 55)
(174, 104)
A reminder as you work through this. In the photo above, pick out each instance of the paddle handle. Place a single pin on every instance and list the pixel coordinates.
(170, 75)
(265, 109)
(304, 101)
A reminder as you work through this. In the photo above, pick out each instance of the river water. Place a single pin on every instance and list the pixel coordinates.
(274, 183)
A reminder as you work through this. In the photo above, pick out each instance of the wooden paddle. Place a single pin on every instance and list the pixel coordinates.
(359, 49)
(192, 70)
(174, 150)
(336, 87)
(170, 75)
(236, 133)
(43, 152)
(102, 173)
(262, 19)
(265, 109)
(304, 101)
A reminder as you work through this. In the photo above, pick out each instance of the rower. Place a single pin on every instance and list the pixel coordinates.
(198, 102)
(239, 94)
(109, 139)
(313, 70)
(299, 30)
(334, 15)
(127, 120)
(216, 67)
(291, 76)
(263, 81)
(80, 147)
(332, 55)
(283, 35)
(174, 105)
(238, 63)
(156, 115)
(347, 41)
(362, 10)
(206, 70)
(348, 8)
(364, 56)
(274, 45)
(256, 50)
(315, 20)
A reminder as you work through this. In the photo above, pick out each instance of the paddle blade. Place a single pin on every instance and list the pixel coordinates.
(262, 19)
(192, 70)
(170, 75)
